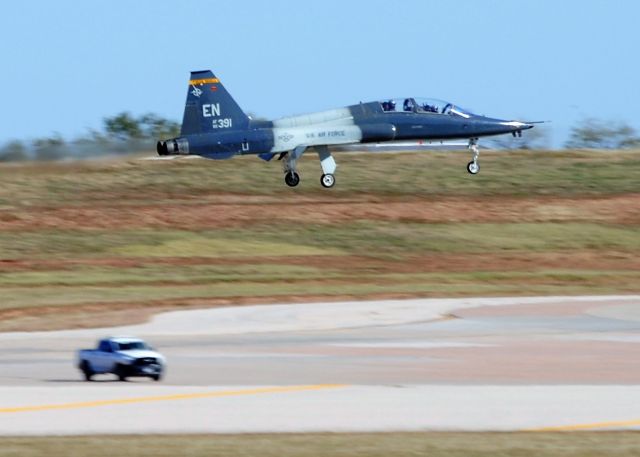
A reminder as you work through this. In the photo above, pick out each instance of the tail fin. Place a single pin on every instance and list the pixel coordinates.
(209, 106)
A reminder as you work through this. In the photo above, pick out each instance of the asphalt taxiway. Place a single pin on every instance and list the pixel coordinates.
(562, 363)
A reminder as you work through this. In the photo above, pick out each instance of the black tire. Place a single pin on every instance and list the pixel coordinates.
(292, 179)
(473, 168)
(121, 372)
(327, 181)
(86, 371)
(157, 377)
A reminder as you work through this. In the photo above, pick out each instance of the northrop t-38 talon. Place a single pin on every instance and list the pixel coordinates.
(215, 127)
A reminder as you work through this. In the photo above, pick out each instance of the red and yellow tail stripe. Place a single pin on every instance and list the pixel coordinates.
(194, 82)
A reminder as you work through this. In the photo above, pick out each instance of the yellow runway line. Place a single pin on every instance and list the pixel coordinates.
(159, 398)
(591, 426)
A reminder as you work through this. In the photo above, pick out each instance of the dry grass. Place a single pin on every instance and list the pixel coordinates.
(583, 444)
(98, 236)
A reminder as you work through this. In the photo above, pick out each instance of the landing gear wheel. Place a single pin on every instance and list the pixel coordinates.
(327, 181)
(292, 179)
(473, 167)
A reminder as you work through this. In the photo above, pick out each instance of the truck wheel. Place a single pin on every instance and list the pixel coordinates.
(121, 372)
(86, 371)
(157, 377)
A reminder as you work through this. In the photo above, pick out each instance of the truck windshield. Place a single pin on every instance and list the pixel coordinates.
(131, 345)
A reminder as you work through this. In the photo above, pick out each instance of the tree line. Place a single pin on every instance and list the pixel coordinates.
(125, 133)
(120, 134)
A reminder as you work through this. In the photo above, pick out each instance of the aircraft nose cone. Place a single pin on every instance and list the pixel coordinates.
(515, 127)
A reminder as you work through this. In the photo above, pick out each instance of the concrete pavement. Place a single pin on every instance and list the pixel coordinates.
(467, 364)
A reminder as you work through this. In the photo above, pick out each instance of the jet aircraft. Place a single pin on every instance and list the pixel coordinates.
(215, 127)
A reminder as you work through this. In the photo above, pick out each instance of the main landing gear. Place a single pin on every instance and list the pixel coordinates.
(291, 178)
(289, 160)
(328, 164)
(327, 180)
(473, 167)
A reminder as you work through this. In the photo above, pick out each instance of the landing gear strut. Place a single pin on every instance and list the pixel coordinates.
(473, 167)
(289, 159)
(328, 165)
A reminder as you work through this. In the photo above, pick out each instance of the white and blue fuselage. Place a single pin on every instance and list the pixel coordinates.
(214, 126)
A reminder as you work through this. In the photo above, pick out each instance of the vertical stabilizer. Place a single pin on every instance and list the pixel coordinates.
(209, 107)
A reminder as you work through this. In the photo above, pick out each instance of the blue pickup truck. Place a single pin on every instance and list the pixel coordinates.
(123, 356)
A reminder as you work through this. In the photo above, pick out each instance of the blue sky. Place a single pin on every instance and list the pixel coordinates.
(68, 64)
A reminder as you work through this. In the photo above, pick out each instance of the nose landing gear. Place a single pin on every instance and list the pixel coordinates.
(473, 167)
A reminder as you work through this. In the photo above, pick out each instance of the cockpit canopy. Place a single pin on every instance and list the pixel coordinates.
(423, 105)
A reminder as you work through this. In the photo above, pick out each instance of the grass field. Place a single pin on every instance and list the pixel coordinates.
(86, 239)
(582, 444)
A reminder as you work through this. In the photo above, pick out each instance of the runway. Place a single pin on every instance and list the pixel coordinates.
(561, 363)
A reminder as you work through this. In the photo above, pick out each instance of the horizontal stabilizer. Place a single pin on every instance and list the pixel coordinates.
(267, 156)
